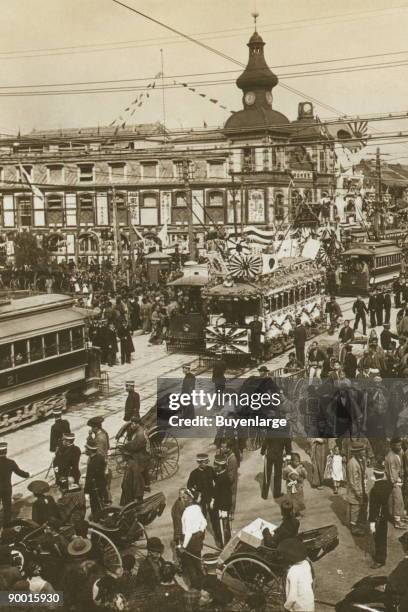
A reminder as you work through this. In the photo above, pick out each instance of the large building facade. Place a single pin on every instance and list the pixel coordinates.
(84, 182)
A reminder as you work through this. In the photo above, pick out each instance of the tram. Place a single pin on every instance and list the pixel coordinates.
(292, 291)
(395, 235)
(369, 264)
(187, 327)
(42, 357)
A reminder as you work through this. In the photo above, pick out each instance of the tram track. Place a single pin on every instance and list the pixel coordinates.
(234, 374)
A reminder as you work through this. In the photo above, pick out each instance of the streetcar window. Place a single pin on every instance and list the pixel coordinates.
(64, 341)
(20, 352)
(5, 356)
(50, 344)
(77, 338)
(36, 348)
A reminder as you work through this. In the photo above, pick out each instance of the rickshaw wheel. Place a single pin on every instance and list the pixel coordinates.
(112, 561)
(164, 454)
(247, 576)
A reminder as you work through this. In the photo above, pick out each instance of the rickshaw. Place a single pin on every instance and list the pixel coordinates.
(248, 567)
(117, 528)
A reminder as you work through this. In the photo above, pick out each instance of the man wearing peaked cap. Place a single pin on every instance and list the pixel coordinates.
(132, 404)
(378, 514)
(202, 480)
(100, 437)
(67, 458)
(59, 427)
(7, 468)
(356, 494)
(221, 503)
(95, 479)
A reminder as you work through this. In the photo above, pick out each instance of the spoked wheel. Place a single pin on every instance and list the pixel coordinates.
(117, 461)
(250, 577)
(165, 452)
(137, 537)
(112, 561)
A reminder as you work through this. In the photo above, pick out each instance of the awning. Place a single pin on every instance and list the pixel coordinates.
(21, 328)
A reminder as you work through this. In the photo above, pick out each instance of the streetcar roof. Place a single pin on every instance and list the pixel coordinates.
(193, 280)
(33, 303)
(40, 323)
(371, 249)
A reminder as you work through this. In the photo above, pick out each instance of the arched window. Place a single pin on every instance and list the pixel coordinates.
(215, 198)
(88, 244)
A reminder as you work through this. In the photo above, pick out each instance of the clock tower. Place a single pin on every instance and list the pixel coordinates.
(256, 84)
(257, 80)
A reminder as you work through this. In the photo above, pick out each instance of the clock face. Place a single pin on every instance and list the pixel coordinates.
(250, 98)
(307, 109)
(269, 97)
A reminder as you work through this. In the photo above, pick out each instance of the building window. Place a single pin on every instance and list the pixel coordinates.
(86, 208)
(77, 338)
(8, 211)
(25, 210)
(121, 208)
(64, 341)
(215, 198)
(71, 209)
(248, 159)
(55, 174)
(149, 200)
(180, 199)
(88, 244)
(117, 171)
(322, 161)
(149, 209)
(149, 170)
(216, 168)
(55, 208)
(86, 173)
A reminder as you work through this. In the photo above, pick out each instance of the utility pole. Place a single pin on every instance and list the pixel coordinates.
(378, 193)
(118, 258)
(189, 199)
(234, 203)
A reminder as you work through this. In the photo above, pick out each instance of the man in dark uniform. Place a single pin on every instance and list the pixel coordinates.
(299, 340)
(188, 386)
(95, 481)
(378, 515)
(201, 480)
(387, 306)
(255, 335)
(7, 468)
(372, 308)
(58, 429)
(396, 590)
(272, 449)
(379, 306)
(396, 287)
(132, 405)
(67, 457)
(360, 310)
(386, 338)
(221, 503)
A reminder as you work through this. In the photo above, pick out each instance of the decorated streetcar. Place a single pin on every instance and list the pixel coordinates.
(292, 290)
(43, 356)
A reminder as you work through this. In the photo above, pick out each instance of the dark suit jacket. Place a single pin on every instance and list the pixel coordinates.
(60, 427)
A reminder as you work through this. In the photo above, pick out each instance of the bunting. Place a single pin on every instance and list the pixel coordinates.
(202, 95)
(121, 121)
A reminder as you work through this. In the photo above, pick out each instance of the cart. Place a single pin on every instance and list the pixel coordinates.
(163, 449)
(248, 568)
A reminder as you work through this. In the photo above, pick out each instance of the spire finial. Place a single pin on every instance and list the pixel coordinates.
(255, 15)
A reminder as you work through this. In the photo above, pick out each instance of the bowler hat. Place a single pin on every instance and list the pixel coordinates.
(38, 487)
(155, 545)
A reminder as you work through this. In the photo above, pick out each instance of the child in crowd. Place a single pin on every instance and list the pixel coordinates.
(336, 471)
(294, 474)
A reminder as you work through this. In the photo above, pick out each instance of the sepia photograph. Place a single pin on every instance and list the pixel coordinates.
(204, 306)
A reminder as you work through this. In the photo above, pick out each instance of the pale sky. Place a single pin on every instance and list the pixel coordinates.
(34, 31)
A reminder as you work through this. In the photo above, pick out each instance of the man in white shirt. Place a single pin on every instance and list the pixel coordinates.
(193, 524)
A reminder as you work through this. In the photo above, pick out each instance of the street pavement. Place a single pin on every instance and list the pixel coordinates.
(335, 573)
